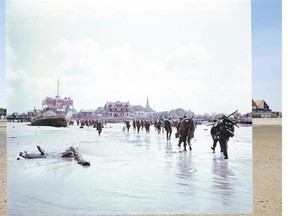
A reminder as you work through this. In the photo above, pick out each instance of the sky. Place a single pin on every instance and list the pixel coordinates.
(267, 51)
(180, 53)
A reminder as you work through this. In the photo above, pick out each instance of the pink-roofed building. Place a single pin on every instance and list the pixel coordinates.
(117, 109)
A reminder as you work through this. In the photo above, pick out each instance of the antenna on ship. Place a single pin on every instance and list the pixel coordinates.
(58, 85)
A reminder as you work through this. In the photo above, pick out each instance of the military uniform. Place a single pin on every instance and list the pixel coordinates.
(226, 131)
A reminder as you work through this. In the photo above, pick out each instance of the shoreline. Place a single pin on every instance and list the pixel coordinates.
(267, 168)
(267, 121)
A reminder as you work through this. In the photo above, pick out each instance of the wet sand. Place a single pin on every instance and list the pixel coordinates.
(267, 162)
(3, 194)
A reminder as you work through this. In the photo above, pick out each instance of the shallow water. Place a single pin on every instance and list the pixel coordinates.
(130, 173)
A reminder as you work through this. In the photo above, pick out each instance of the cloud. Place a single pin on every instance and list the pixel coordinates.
(57, 9)
(178, 52)
(88, 57)
(187, 57)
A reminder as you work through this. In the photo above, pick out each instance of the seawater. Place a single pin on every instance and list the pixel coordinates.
(130, 173)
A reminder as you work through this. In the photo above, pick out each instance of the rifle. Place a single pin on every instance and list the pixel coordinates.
(232, 114)
(210, 124)
(227, 118)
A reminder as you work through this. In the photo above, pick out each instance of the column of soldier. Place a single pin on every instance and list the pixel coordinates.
(221, 130)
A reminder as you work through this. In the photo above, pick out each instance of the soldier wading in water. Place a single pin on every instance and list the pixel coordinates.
(222, 131)
(215, 135)
(185, 131)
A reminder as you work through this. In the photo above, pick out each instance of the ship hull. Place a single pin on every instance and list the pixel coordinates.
(52, 118)
(57, 122)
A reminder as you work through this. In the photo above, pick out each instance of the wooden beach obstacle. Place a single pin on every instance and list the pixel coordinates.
(78, 156)
(33, 155)
(69, 152)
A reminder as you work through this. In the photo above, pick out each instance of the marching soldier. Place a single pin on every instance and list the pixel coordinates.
(226, 131)
(215, 130)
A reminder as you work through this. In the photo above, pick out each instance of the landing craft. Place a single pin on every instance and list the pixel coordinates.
(56, 112)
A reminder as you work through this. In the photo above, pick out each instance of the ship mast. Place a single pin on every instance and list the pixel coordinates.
(58, 85)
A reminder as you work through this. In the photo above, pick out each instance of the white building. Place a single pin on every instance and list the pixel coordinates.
(260, 109)
(117, 110)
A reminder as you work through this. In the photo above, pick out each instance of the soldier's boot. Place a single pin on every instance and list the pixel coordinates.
(185, 147)
(213, 149)
(225, 155)
(179, 143)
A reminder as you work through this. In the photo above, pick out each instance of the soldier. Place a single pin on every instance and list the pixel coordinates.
(158, 125)
(177, 134)
(134, 124)
(226, 129)
(128, 125)
(168, 128)
(99, 127)
(138, 125)
(186, 132)
(215, 130)
(147, 126)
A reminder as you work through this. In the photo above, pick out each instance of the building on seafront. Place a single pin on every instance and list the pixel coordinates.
(3, 113)
(260, 109)
(145, 115)
(86, 114)
(117, 111)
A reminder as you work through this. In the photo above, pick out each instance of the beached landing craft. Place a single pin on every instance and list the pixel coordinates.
(56, 112)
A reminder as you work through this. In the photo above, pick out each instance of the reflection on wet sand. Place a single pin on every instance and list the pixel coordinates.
(130, 173)
(223, 178)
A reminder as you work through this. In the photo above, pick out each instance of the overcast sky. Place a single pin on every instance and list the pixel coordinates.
(180, 53)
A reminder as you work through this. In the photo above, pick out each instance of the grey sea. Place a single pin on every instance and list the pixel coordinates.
(130, 173)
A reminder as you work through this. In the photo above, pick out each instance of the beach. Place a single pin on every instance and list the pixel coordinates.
(3, 183)
(267, 165)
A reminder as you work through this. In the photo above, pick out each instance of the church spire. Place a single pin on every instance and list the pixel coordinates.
(147, 104)
(148, 108)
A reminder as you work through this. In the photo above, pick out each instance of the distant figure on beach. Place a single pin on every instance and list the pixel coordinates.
(177, 134)
(82, 124)
(158, 125)
(168, 128)
(128, 125)
(147, 124)
(134, 124)
(138, 125)
(99, 127)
